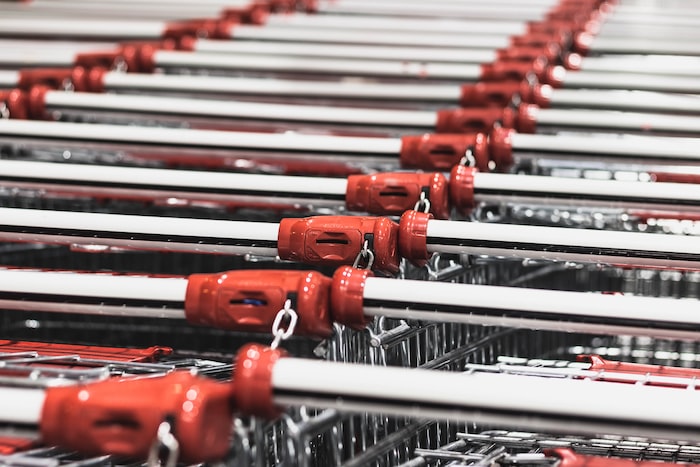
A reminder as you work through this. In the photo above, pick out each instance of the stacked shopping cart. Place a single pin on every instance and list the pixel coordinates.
(349, 232)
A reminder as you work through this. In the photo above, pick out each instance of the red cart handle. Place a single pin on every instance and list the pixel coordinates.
(394, 193)
(122, 417)
(569, 458)
(598, 363)
(250, 300)
(340, 240)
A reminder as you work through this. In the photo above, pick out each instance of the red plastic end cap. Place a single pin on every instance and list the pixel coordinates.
(249, 301)
(337, 240)
(252, 381)
(538, 94)
(467, 120)
(462, 188)
(555, 76)
(501, 148)
(347, 295)
(15, 102)
(139, 58)
(443, 151)
(413, 230)
(36, 103)
(582, 43)
(121, 417)
(393, 193)
(92, 80)
(524, 118)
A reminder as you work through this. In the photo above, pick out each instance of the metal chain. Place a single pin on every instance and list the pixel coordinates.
(280, 334)
(423, 204)
(366, 254)
(165, 440)
(468, 159)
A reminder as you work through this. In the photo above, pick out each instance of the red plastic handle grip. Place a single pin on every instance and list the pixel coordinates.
(121, 417)
(337, 240)
(54, 78)
(598, 363)
(250, 300)
(393, 193)
(443, 151)
(501, 93)
(522, 118)
(569, 458)
(121, 354)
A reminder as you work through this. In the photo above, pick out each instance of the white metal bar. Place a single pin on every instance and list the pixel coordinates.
(393, 23)
(634, 148)
(625, 100)
(135, 104)
(616, 121)
(37, 57)
(483, 11)
(476, 4)
(95, 294)
(539, 404)
(660, 318)
(9, 79)
(663, 16)
(366, 52)
(585, 192)
(444, 40)
(169, 3)
(614, 45)
(278, 87)
(80, 28)
(320, 66)
(673, 65)
(113, 10)
(562, 244)
(95, 230)
(21, 405)
(643, 82)
(645, 31)
(91, 180)
(38, 130)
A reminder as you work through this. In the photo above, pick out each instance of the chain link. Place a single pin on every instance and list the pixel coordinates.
(280, 334)
(423, 204)
(468, 159)
(167, 442)
(366, 254)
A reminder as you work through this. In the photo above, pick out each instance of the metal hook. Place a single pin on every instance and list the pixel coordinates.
(283, 334)
(365, 253)
(164, 440)
(424, 202)
(468, 160)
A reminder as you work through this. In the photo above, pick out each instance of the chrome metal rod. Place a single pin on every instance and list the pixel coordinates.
(93, 294)
(561, 244)
(92, 231)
